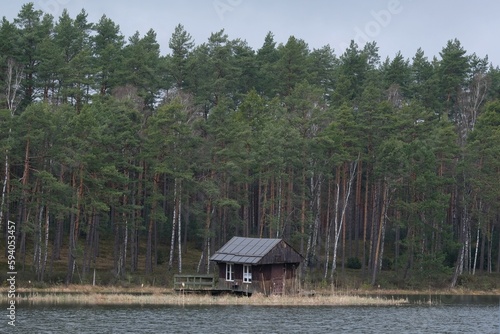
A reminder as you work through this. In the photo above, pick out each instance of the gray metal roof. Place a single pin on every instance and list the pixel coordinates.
(244, 250)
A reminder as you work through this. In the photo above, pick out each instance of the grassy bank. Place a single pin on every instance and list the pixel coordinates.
(150, 295)
(92, 295)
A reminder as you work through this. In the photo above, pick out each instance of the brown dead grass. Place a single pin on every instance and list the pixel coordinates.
(433, 292)
(91, 295)
(151, 295)
(178, 299)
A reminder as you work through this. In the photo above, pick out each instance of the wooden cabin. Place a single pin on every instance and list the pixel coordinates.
(252, 265)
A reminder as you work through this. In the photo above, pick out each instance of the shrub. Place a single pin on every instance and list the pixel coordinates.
(353, 263)
(386, 264)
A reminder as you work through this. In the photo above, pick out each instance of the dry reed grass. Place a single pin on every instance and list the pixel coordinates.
(159, 296)
(150, 295)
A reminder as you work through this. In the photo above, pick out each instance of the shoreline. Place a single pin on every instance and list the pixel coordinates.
(134, 289)
(199, 300)
(112, 295)
(170, 299)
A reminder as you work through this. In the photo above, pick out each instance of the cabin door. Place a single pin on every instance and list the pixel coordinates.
(277, 279)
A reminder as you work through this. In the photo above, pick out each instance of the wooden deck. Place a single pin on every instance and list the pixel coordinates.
(193, 282)
(202, 284)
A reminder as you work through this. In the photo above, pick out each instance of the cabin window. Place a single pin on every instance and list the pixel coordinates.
(229, 272)
(247, 273)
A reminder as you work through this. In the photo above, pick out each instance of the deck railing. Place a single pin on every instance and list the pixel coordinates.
(193, 282)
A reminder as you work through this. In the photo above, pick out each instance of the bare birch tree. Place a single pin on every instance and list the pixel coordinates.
(340, 218)
(470, 101)
(14, 76)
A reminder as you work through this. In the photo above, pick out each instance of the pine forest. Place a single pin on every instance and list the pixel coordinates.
(120, 163)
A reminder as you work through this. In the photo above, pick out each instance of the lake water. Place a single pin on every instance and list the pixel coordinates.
(451, 315)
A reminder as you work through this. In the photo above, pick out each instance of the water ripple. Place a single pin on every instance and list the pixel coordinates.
(254, 319)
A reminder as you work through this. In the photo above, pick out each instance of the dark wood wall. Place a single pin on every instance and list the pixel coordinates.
(282, 253)
(267, 279)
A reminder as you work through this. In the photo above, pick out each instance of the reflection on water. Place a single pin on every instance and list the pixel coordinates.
(471, 314)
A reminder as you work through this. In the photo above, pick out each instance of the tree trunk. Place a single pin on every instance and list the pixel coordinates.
(13, 80)
(374, 225)
(328, 230)
(358, 210)
(58, 237)
(365, 225)
(281, 208)
(179, 225)
(56, 248)
(72, 250)
(314, 208)
(336, 222)
(397, 241)
(123, 249)
(116, 247)
(498, 256)
(272, 203)
(37, 258)
(205, 254)
(46, 243)
(459, 266)
(87, 247)
(149, 246)
(289, 205)
(344, 177)
(490, 249)
(174, 226)
(4, 190)
(134, 237)
(303, 216)
(24, 201)
(74, 225)
(345, 203)
(263, 206)
(476, 250)
(244, 209)
(377, 260)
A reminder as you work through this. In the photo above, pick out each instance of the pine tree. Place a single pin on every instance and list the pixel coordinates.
(107, 47)
(181, 43)
(33, 27)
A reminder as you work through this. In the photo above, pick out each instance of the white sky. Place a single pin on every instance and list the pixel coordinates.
(395, 25)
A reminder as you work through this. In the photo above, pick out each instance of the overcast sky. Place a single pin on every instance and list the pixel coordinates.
(395, 25)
